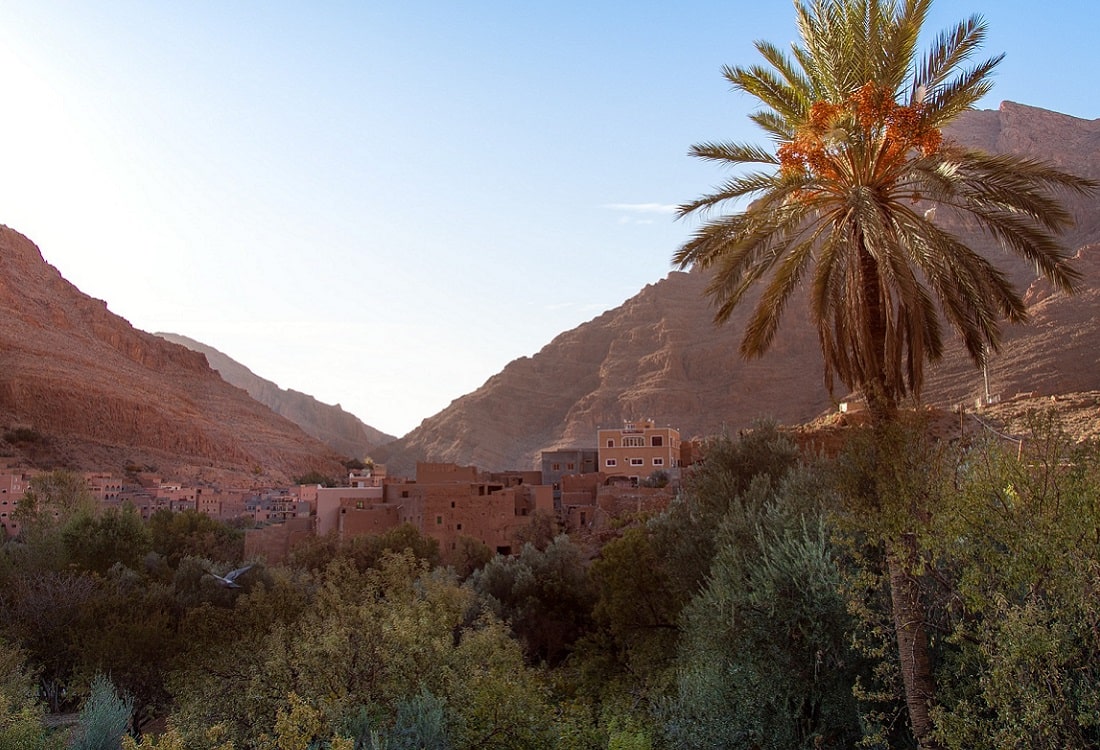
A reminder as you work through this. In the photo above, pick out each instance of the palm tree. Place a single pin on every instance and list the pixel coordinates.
(844, 205)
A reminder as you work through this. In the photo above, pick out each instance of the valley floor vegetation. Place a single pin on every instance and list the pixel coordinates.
(754, 612)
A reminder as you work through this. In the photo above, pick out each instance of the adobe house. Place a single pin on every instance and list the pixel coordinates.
(563, 462)
(637, 449)
(12, 488)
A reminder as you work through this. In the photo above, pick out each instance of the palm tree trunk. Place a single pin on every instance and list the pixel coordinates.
(914, 656)
(875, 379)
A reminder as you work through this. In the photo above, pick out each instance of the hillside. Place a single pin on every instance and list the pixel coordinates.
(86, 390)
(336, 428)
(659, 356)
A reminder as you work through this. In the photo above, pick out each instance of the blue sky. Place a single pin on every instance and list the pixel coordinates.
(381, 204)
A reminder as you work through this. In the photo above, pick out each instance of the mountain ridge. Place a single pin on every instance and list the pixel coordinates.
(98, 394)
(340, 430)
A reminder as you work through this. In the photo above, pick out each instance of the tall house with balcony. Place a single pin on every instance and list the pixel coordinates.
(637, 449)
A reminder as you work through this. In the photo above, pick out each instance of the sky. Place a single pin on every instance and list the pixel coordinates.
(383, 203)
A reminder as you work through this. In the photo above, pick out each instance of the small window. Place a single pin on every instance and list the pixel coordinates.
(555, 467)
(612, 462)
(657, 441)
(658, 462)
(439, 520)
(634, 441)
(459, 527)
(611, 443)
(637, 462)
(404, 493)
(569, 467)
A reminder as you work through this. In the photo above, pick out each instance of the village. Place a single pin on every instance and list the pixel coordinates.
(635, 467)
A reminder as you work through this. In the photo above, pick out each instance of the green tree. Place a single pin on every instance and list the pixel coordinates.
(21, 715)
(130, 630)
(844, 205)
(103, 719)
(53, 500)
(636, 613)
(362, 650)
(365, 551)
(645, 578)
(43, 611)
(1020, 536)
(471, 555)
(765, 660)
(98, 542)
(545, 595)
(178, 535)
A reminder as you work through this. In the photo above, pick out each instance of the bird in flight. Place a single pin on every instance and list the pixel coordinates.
(229, 580)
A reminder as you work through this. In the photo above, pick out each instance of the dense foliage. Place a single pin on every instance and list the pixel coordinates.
(753, 612)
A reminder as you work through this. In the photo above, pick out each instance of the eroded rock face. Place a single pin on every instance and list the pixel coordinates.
(106, 395)
(336, 428)
(659, 356)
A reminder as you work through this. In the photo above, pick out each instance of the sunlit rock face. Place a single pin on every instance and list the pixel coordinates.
(105, 395)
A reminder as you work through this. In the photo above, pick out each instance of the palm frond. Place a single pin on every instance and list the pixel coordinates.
(764, 323)
(951, 99)
(898, 43)
(739, 187)
(792, 75)
(949, 51)
(733, 153)
(779, 128)
(766, 86)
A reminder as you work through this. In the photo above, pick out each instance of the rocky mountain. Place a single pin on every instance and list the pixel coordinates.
(81, 388)
(659, 356)
(336, 428)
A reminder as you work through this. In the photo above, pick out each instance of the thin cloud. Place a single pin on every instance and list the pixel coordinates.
(643, 208)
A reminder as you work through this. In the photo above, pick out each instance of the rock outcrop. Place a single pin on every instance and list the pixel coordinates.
(659, 355)
(98, 394)
(343, 432)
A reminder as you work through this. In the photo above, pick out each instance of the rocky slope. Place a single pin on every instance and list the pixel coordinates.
(81, 388)
(659, 356)
(336, 428)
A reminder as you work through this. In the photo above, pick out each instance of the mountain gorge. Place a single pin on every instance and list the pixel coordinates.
(80, 387)
(659, 355)
(336, 428)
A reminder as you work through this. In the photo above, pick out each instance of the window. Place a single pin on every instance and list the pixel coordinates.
(459, 527)
(657, 441)
(658, 462)
(634, 441)
(612, 462)
(611, 443)
(439, 520)
(569, 467)
(637, 462)
(555, 467)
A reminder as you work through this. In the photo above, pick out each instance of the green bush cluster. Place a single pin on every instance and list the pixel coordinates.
(753, 612)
